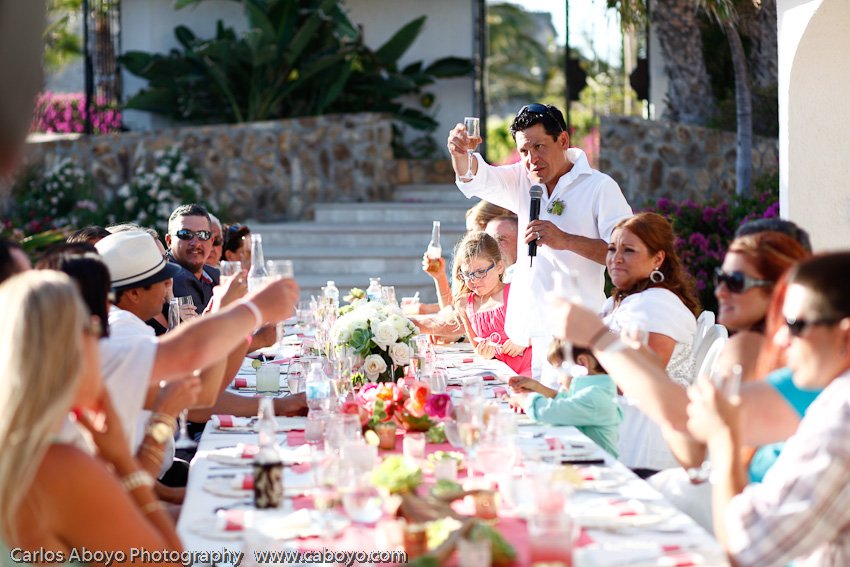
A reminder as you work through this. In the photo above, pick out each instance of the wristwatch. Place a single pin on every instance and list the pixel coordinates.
(160, 431)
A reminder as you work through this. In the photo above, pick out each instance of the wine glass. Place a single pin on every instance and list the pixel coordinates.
(469, 427)
(565, 286)
(729, 383)
(473, 133)
(229, 269)
(280, 269)
(634, 333)
(174, 319)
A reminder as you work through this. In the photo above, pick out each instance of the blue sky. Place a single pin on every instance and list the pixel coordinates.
(592, 25)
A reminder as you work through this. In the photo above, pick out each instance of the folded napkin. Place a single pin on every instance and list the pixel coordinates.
(232, 520)
(293, 525)
(229, 421)
(245, 382)
(243, 482)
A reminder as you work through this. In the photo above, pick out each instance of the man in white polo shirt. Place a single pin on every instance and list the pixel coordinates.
(578, 211)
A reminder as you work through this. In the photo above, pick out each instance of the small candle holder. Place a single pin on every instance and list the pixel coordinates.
(486, 507)
(386, 435)
(413, 445)
(415, 539)
(446, 469)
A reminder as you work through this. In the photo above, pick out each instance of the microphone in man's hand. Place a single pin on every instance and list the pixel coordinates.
(536, 192)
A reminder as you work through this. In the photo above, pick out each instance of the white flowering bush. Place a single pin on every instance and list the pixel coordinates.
(63, 197)
(154, 193)
(378, 333)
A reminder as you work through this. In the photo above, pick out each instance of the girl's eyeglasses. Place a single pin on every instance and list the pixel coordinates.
(476, 275)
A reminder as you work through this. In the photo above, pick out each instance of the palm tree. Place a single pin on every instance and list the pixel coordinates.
(518, 63)
(726, 16)
(689, 97)
(677, 26)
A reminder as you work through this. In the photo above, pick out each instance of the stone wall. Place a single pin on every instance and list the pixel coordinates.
(654, 159)
(263, 170)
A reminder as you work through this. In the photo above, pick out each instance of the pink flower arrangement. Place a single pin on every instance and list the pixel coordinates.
(415, 409)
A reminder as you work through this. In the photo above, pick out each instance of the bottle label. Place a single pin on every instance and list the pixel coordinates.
(268, 485)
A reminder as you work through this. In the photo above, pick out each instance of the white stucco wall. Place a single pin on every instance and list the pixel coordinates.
(448, 32)
(814, 118)
(148, 25)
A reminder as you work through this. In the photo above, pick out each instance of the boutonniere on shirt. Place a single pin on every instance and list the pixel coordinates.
(556, 207)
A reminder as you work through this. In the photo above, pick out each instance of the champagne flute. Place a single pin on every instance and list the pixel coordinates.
(469, 427)
(174, 319)
(730, 385)
(565, 286)
(473, 133)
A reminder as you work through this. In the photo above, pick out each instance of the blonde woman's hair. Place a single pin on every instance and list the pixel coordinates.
(40, 358)
(484, 212)
(473, 245)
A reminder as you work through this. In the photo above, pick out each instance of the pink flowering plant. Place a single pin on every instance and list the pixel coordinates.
(65, 113)
(704, 231)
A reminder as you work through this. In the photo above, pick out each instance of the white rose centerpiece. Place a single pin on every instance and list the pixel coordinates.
(380, 334)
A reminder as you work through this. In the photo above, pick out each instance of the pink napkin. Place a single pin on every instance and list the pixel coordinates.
(224, 420)
(230, 520)
(244, 383)
(554, 443)
(250, 451)
(244, 482)
(468, 360)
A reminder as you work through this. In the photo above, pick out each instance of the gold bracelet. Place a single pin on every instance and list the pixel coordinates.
(157, 455)
(159, 417)
(151, 507)
(136, 480)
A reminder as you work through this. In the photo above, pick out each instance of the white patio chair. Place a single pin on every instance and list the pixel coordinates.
(704, 322)
(713, 333)
(711, 357)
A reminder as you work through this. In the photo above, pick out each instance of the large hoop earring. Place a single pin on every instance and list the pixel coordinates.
(656, 276)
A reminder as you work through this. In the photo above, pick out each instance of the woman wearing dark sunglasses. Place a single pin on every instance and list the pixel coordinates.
(743, 287)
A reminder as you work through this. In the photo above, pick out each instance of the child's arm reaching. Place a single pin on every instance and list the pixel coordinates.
(526, 384)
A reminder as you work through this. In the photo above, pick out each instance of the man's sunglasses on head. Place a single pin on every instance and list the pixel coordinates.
(542, 110)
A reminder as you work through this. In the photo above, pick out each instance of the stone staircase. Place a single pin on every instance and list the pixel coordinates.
(350, 242)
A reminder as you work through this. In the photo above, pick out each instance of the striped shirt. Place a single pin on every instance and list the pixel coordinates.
(801, 511)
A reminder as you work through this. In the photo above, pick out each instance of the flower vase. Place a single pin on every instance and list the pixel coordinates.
(391, 374)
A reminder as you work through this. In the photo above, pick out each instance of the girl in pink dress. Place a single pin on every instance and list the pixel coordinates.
(482, 299)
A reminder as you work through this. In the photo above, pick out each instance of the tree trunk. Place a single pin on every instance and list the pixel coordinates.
(764, 57)
(689, 96)
(744, 113)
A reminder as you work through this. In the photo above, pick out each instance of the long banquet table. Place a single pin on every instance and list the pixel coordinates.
(645, 529)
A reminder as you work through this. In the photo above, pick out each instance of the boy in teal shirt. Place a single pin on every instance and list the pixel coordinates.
(587, 402)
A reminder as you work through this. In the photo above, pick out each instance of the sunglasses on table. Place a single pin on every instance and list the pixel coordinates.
(796, 327)
(737, 281)
(186, 234)
(476, 275)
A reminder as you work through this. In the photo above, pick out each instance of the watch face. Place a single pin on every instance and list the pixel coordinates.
(160, 432)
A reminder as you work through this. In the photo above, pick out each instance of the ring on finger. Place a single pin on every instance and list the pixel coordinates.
(537, 234)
